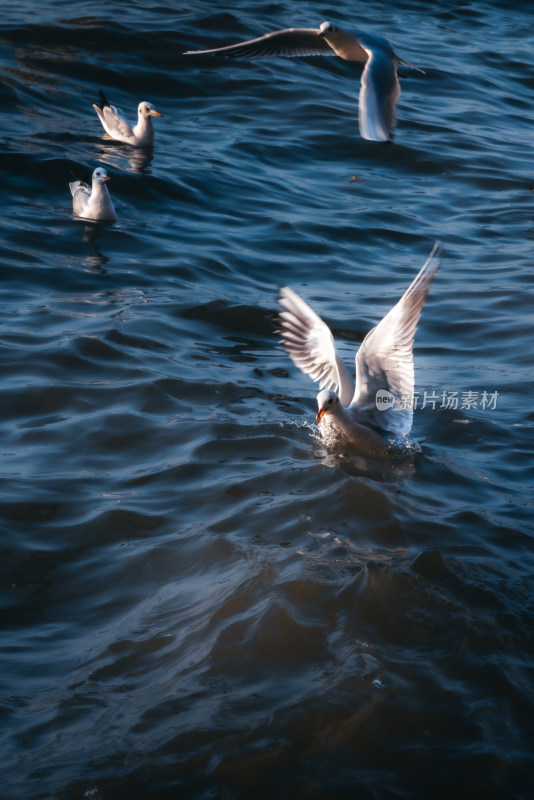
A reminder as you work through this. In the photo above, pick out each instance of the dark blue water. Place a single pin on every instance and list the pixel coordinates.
(199, 599)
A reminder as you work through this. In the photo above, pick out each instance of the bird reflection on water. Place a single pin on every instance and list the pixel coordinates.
(122, 156)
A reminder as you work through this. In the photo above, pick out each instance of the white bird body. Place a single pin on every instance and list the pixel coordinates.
(331, 414)
(380, 87)
(93, 202)
(116, 126)
(384, 365)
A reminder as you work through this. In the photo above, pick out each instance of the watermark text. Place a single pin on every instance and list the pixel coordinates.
(453, 400)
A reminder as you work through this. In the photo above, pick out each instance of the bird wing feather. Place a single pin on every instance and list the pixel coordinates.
(115, 122)
(379, 93)
(385, 357)
(289, 43)
(310, 345)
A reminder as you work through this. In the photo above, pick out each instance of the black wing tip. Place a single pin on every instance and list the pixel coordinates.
(102, 99)
(84, 181)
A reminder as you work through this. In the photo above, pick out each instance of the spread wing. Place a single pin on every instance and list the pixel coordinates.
(289, 43)
(385, 358)
(379, 91)
(310, 345)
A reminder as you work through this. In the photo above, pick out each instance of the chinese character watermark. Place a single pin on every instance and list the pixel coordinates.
(452, 400)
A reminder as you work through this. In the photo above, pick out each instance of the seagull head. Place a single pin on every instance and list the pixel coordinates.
(326, 28)
(146, 109)
(100, 175)
(327, 403)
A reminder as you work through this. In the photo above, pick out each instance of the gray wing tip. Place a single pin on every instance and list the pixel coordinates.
(288, 299)
(429, 268)
(285, 291)
(406, 63)
(436, 250)
(434, 260)
(214, 51)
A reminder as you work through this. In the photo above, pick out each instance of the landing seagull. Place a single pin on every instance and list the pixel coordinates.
(93, 202)
(116, 126)
(380, 87)
(376, 406)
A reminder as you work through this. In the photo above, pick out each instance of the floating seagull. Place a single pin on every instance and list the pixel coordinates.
(381, 402)
(112, 118)
(380, 87)
(93, 202)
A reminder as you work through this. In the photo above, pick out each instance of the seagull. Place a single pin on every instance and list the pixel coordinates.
(380, 88)
(112, 118)
(381, 402)
(94, 202)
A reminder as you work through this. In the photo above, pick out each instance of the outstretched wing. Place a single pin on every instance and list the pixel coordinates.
(379, 91)
(310, 345)
(385, 358)
(289, 43)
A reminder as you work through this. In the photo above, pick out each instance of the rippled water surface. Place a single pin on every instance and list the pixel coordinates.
(199, 598)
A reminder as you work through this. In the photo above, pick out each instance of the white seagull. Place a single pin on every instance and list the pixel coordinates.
(380, 88)
(93, 202)
(114, 123)
(381, 401)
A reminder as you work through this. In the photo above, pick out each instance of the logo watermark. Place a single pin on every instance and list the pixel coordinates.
(384, 399)
(462, 401)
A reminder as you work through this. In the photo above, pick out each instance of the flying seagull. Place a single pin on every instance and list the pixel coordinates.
(380, 88)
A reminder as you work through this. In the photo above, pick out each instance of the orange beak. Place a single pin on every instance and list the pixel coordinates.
(320, 414)
(155, 114)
